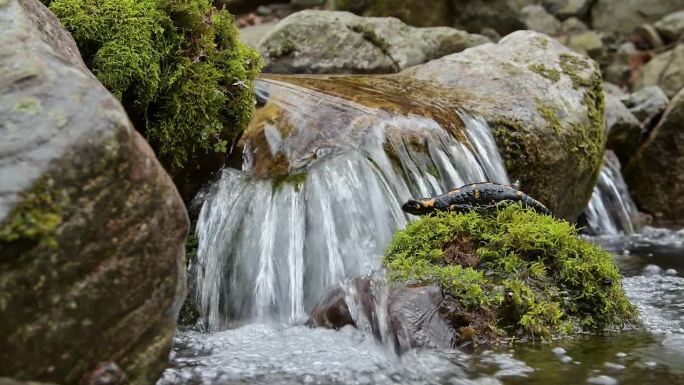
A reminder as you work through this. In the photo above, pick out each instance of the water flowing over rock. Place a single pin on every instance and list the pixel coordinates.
(320, 191)
(341, 42)
(654, 174)
(611, 210)
(91, 227)
(545, 104)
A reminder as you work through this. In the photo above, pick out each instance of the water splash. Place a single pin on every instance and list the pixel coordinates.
(611, 210)
(270, 248)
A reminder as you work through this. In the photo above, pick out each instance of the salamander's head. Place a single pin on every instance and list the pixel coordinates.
(421, 207)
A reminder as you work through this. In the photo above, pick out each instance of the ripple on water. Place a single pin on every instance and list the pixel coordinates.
(660, 300)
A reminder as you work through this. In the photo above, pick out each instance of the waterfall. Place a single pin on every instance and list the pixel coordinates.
(270, 247)
(611, 210)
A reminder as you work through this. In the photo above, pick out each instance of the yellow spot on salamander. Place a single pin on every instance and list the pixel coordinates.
(477, 194)
(454, 192)
(429, 203)
(520, 194)
(452, 208)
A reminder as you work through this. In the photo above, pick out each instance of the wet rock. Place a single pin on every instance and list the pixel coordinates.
(545, 105)
(623, 16)
(416, 318)
(502, 15)
(671, 27)
(419, 13)
(654, 173)
(624, 130)
(665, 70)
(340, 42)
(647, 103)
(91, 227)
(537, 19)
(564, 9)
(104, 373)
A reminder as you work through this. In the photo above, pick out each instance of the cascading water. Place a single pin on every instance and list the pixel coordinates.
(269, 247)
(611, 210)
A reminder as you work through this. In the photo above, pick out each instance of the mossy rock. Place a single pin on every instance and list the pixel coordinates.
(513, 274)
(166, 53)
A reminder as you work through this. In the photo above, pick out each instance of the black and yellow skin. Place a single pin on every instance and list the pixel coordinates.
(476, 196)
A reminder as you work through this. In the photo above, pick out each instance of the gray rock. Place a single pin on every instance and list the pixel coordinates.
(91, 227)
(564, 9)
(654, 174)
(665, 70)
(573, 25)
(502, 15)
(624, 130)
(618, 69)
(418, 13)
(537, 19)
(613, 89)
(532, 90)
(646, 103)
(587, 43)
(623, 16)
(341, 42)
(671, 27)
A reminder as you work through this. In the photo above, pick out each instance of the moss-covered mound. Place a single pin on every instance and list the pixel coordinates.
(513, 273)
(176, 65)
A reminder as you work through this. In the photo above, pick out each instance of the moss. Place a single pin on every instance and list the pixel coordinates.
(550, 116)
(372, 37)
(295, 180)
(29, 106)
(548, 73)
(288, 47)
(572, 65)
(36, 217)
(189, 313)
(176, 65)
(535, 278)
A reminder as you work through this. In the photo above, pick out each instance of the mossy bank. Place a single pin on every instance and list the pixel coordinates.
(513, 274)
(157, 55)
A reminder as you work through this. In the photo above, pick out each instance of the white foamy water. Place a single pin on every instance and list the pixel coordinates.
(270, 250)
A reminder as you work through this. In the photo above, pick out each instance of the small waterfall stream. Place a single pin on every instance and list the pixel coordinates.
(611, 210)
(270, 247)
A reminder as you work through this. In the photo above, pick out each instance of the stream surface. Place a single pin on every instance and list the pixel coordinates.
(653, 353)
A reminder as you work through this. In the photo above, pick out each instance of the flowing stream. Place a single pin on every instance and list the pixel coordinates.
(271, 246)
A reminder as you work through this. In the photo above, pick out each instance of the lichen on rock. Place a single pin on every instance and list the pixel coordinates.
(154, 56)
(513, 273)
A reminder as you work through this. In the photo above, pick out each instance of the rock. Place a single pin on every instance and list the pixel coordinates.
(416, 320)
(624, 130)
(502, 15)
(671, 27)
(12, 381)
(340, 42)
(665, 70)
(613, 89)
(537, 19)
(545, 105)
(654, 175)
(419, 13)
(573, 25)
(564, 9)
(240, 6)
(623, 16)
(648, 37)
(252, 35)
(586, 43)
(91, 227)
(647, 103)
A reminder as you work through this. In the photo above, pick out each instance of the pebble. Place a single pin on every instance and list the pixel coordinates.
(670, 272)
(558, 351)
(602, 380)
(620, 355)
(566, 359)
(613, 366)
(650, 364)
(651, 270)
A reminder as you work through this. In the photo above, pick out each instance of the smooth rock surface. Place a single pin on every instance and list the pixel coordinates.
(537, 19)
(91, 227)
(665, 70)
(419, 13)
(341, 42)
(654, 175)
(646, 103)
(564, 9)
(623, 16)
(502, 15)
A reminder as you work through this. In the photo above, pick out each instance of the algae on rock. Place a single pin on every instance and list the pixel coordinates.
(514, 273)
(177, 66)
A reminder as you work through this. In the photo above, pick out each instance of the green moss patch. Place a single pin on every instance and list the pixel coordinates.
(513, 273)
(546, 72)
(296, 180)
(176, 65)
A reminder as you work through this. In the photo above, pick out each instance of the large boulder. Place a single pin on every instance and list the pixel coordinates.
(91, 227)
(623, 16)
(624, 130)
(545, 105)
(502, 15)
(671, 27)
(654, 175)
(665, 70)
(341, 42)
